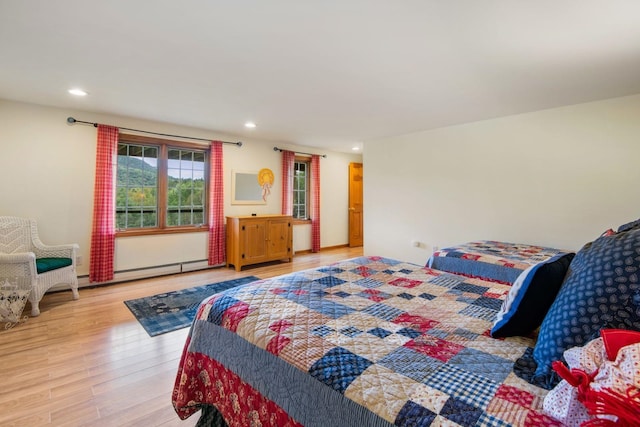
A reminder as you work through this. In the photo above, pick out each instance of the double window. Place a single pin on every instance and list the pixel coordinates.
(160, 185)
(301, 175)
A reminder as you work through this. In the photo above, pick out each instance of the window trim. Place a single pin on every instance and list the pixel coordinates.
(307, 161)
(163, 147)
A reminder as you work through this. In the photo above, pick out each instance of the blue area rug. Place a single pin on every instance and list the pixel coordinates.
(162, 313)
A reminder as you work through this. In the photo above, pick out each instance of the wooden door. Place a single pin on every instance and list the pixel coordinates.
(279, 230)
(254, 238)
(356, 237)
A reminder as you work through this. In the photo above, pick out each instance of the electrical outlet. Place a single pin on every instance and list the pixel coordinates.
(79, 260)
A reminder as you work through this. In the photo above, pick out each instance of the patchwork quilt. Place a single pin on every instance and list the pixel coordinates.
(491, 260)
(369, 341)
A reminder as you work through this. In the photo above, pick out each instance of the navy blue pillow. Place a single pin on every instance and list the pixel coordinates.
(598, 292)
(531, 297)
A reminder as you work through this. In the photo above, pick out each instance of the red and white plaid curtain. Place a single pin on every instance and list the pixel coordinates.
(315, 203)
(288, 159)
(103, 233)
(216, 206)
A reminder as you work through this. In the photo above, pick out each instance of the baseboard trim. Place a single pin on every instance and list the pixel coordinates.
(326, 248)
(142, 273)
(161, 270)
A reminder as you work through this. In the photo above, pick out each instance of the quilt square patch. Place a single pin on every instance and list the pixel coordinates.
(479, 312)
(331, 270)
(506, 412)
(374, 295)
(490, 303)
(219, 306)
(383, 311)
(234, 315)
(338, 368)
(515, 395)
(295, 278)
(413, 414)
(379, 332)
(327, 307)
(368, 283)
(405, 283)
(323, 330)
(350, 331)
(434, 347)
(330, 281)
(277, 343)
(410, 363)
(364, 271)
(466, 300)
(383, 391)
(468, 335)
(467, 287)
(438, 333)
(480, 363)
(460, 412)
(416, 322)
(362, 346)
(341, 294)
(463, 385)
(408, 332)
(446, 280)
(387, 261)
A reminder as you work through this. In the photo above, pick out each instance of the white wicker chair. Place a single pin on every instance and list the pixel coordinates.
(20, 246)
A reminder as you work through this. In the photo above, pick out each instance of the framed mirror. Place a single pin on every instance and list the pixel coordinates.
(245, 188)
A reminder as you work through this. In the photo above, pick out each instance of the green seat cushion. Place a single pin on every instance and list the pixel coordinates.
(47, 264)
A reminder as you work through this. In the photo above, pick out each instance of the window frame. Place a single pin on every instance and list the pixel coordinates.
(164, 145)
(307, 162)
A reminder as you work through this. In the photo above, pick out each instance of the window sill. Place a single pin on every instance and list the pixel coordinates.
(159, 231)
(297, 221)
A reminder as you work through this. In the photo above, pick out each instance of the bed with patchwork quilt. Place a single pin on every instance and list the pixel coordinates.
(369, 341)
(491, 260)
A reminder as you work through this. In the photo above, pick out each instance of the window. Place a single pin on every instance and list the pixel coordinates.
(301, 168)
(160, 185)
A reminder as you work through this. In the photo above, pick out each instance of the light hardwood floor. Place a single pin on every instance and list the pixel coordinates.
(89, 362)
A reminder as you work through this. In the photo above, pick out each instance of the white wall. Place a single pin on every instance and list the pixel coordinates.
(556, 177)
(47, 173)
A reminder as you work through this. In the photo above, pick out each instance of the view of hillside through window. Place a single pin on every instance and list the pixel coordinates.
(139, 193)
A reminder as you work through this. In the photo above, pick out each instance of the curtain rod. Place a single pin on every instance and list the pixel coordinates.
(298, 152)
(71, 121)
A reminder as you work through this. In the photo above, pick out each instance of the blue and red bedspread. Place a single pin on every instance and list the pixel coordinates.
(369, 341)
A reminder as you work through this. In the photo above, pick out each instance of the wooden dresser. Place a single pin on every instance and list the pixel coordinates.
(256, 239)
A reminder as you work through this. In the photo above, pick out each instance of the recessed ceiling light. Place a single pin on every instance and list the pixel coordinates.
(250, 125)
(355, 148)
(77, 92)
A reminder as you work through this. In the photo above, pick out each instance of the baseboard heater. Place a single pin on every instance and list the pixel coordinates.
(143, 273)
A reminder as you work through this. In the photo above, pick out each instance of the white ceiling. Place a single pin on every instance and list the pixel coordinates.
(319, 73)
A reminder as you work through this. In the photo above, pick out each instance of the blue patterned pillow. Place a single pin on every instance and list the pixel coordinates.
(600, 291)
(530, 297)
(629, 225)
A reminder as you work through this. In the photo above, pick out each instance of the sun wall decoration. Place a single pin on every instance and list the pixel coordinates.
(265, 179)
